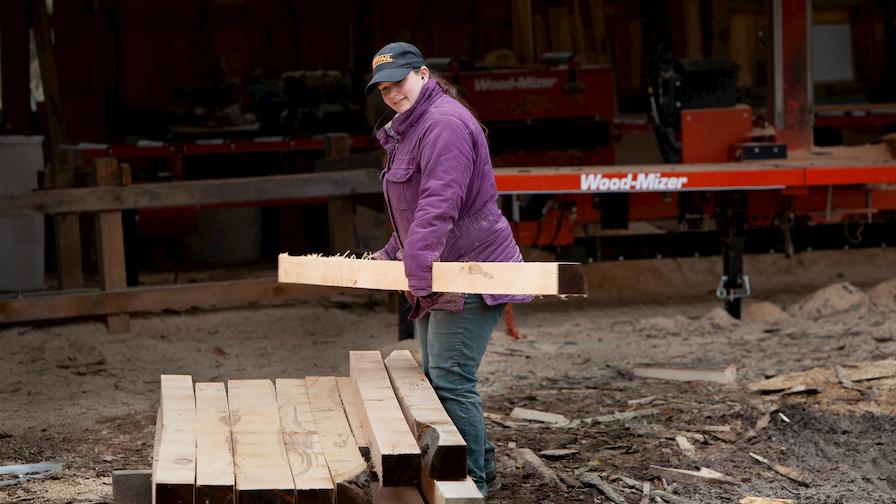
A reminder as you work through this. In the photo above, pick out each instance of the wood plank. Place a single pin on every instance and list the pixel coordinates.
(174, 467)
(396, 495)
(270, 190)
(214, 453)
(49, 76)
(67, 227)
(347, 467)
(450, 492)
(540, 278)
(393, 448)
(310, 472)
(350, 403)
(442, 447)
(110, 244)
(153, 299)
(261, 466)
(725, 376)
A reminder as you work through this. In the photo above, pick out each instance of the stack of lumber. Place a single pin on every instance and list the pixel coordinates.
(378, 436)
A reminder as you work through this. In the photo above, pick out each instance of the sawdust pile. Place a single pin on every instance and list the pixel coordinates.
(883, 296)
(763, 312)
(838, 299)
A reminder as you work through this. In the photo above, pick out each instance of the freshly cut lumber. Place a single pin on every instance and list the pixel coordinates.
(819, 376)
(788, 472)
(450, 492)
(396, 495)
(704, 475)
(174, 464)
(347, 395)
(393, 448)
(441, 445)
(347, 467)
(214, 452)
(727, 375)
(261, 465)
(539, 416)
(310, 472)
(542, 278)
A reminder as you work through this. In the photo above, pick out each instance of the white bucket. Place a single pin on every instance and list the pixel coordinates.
(21, 238)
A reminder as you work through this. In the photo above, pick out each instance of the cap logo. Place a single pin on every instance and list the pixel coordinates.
(382, 58)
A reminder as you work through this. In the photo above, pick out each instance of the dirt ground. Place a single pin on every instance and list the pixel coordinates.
(73, 394)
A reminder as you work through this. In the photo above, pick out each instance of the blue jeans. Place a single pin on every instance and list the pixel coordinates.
(453, 344)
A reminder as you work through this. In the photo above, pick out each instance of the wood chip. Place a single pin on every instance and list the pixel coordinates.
(593, 480)
(645, 493)
(674, 499)
(788, 472)
(528, 459)
(627, 415)
(539, 416)
(685, 446)
(765, 500)
(725, 376)
(558, 453)
(704, 475)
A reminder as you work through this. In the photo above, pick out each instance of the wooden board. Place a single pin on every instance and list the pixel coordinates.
(541, 278)
(214, 454)
(174, 467)
(110, 244)
(347, 467)
(350, 403)
(310, 472)
(393, 449)
(156, 298)
(261, 466)
(270, 189)
(450, 492)
(441, 445)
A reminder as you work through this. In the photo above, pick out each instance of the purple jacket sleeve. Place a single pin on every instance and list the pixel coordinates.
(446, 161)
(390, 251)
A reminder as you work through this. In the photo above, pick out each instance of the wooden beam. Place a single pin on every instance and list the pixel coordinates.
(268, 190)
(599, 30)
(214, 454)
(48, 75)
(350, 403)
(393, 449)
(441, 445)
(154, 299)
(451, 492)
(340, 211)
(174, 466)
(310, 472)
(558, 22)
(110, 244)
(260, 462)
(67, 227)
(347, 468)
(541, 278)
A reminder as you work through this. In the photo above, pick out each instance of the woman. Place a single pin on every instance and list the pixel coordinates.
(441, 196)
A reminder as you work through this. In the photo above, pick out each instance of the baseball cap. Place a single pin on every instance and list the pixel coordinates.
(393, 63)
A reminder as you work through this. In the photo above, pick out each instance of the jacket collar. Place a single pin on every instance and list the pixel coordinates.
(404, 122)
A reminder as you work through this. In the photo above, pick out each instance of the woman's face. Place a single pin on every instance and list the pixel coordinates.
(400, 96)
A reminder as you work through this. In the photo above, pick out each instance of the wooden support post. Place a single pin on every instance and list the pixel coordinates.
(523, 43)
(347, 468)
(577, 27)
(67, 226)
(393, 449)
(261, 466)
(174, 454)
(599, 29)
(214, 453)
(443, 448)
(791, 99)
(558, 23)
(340, 211)
(310, 472)
(110, 244)
(48, 74)
(14, 65)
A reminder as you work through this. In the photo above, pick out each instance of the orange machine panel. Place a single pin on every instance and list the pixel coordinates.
(706, 134)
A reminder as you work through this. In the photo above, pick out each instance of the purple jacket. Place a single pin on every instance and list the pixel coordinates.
(441, 195)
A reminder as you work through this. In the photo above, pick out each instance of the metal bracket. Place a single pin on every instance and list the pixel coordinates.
(736, 293)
